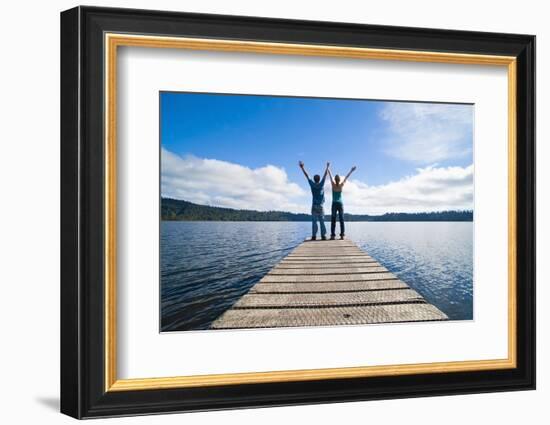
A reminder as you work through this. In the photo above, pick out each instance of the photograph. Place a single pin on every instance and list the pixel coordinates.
(285, 210)
(280, 211)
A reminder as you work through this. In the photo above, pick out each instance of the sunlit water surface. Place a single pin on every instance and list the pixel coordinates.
(207, 266)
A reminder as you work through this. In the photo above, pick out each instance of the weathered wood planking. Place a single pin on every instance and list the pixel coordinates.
(323, 283)
(320, 271)
(333, 299)
(313, 288)
(269, 278)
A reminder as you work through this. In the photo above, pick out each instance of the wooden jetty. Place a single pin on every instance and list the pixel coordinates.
(325, 283)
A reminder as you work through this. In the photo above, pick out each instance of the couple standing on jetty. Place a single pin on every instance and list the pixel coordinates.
(317, 191)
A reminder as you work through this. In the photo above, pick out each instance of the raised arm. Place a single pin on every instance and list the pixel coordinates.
(301, 164)
(330, 176)
(349, 174)
(325, 175)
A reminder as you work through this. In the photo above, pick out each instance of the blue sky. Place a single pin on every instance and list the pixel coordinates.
(243, 151)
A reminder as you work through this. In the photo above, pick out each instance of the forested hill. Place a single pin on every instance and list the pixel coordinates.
(177, 210)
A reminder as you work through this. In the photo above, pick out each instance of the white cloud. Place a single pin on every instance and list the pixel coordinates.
(430, 189)
(224, 184)
(426, 133)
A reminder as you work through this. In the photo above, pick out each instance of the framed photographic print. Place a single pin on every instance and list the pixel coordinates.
(261, 212)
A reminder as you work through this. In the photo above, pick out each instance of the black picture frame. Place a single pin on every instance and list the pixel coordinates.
(83, 392)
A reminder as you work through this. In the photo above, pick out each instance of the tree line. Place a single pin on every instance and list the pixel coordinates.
(180, 210)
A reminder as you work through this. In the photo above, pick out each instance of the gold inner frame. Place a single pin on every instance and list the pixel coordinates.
(113, 41)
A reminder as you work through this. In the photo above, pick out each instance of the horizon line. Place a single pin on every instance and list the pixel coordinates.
(305, 213)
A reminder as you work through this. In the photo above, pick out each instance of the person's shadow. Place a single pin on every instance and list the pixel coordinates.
(49, 402)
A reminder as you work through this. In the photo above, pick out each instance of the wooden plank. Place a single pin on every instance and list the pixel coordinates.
(329, 253)
(342, 260)
(327, 246)
(333, 299)
(328, 286)
(327, 278)
(276, 318)
(335, 256)
(335, 250)
(335, 265)
(326, 271)
(328, 242)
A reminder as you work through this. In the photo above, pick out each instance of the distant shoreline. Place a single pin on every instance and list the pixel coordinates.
(180, 210)
(326, 219)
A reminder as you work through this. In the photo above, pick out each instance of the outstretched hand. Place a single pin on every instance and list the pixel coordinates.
(328, 165)
(353, 168)
(301, 164)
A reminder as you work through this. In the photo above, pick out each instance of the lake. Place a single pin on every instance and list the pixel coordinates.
(207, 266)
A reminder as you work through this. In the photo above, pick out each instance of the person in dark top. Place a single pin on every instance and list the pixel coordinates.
(337, 203)
(318, 199)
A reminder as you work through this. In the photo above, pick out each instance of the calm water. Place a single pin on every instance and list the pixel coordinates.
(207, 266)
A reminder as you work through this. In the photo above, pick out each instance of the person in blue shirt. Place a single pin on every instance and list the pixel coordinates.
(337, 203)
(318, 199)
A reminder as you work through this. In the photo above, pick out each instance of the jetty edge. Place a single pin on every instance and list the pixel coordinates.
(327, 283)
